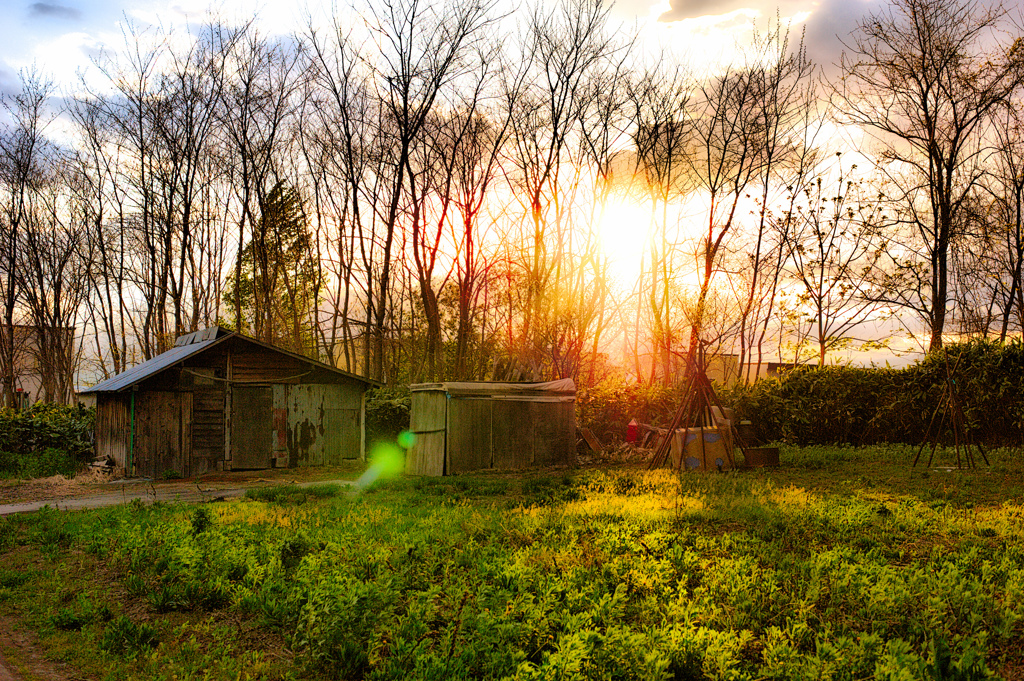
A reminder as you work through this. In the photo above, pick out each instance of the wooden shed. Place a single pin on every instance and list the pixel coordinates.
(219, 400)
(469, 426)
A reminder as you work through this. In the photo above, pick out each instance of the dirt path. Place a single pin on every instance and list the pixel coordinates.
(147, 492)
(95, 490)
(21, 659)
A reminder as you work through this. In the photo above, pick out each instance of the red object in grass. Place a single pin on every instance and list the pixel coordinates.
(632, 431)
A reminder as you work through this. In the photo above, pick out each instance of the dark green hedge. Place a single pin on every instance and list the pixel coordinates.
(44, 426)
(45, 439)
(840, 404)
(387, 412)
(608, 407)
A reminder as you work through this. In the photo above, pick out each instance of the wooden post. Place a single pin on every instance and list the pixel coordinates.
(227, 412)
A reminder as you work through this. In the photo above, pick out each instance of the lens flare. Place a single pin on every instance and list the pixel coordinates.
(386, 461)
(406, 439)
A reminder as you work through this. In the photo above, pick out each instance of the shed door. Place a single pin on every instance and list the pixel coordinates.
(252, 424)
(163, 433)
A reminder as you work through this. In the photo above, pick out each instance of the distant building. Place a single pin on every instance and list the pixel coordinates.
(757, 371)
(31, 365)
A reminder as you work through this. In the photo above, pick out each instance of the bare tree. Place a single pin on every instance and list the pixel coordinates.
(421, 49)
(476, 165)
(997, 250)
(832, 249)
(24, 155)
(786, 100)
(743, 124)
(565, 47)
(924, 78)
(52, 275)
(661, 102)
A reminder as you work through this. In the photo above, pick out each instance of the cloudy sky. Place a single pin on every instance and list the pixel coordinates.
(60, 36)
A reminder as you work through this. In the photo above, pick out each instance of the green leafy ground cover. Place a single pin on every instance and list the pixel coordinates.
(843, 564)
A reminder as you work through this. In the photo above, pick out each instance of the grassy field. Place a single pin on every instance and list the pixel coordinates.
(842, 564)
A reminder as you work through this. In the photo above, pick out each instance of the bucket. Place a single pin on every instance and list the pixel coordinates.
(747, 433)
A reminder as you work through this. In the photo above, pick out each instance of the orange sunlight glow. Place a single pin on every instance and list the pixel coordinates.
(623, 230)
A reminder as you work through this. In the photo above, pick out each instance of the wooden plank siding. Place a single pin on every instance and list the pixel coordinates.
(113, 427)
(554, 433)
(323, 423)
(163, 423)
(469, 435)
(428, 419)
(207, 422)
(257, 364)
(236, 404)
(513, 439)
(251, 426)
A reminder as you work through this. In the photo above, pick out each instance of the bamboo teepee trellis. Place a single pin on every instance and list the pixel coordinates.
(950, 408)
(696, 411)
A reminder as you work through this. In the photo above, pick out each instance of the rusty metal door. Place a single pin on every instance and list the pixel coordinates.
(252, 425)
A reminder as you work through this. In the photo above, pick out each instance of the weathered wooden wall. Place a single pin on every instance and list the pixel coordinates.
(317, 424)
(428, 418)
(463, 433)
(469, 434)
(251, 426)
(163, 433)
(113, 426)
(207, 420)
(554, 433)
(251, 363)
(513, 434)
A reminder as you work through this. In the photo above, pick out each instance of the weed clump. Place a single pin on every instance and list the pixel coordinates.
(124, 638)
(293, 494)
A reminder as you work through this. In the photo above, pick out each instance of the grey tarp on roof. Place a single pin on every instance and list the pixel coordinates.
(562, 387)
(140, 372)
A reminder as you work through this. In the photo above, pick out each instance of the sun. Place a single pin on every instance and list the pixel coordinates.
(623, 228)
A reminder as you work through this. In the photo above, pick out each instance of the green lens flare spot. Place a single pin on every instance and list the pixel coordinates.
(406, 439)
(387, 458)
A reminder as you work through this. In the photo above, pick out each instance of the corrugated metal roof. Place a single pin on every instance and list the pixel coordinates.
(192, 343)
(139, 372)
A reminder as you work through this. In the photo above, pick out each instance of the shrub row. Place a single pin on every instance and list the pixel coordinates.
(842, 404)
(608, 407)
(44, 439)
(848, 405)
(387, 412)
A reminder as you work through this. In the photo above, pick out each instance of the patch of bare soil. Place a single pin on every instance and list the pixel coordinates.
(94, 482)
(22, 659)
(56, 487)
